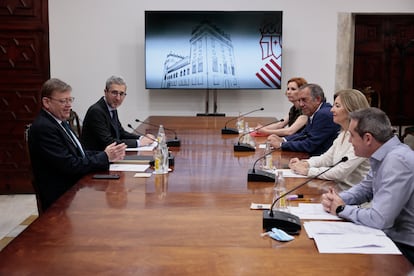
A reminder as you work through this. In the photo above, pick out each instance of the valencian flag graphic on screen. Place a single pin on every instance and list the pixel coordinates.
(270, 42)
(213, 49)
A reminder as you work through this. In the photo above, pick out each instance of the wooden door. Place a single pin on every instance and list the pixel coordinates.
(384, 61)
(24, 66)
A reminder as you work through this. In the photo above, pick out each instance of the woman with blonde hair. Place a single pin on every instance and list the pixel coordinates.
(295, 120)
(355, 168)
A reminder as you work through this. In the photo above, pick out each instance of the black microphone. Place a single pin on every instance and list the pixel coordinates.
(286, 221)
(170, 143)
(264, 176)
(226, 130)
(247, 147)
(171, 157)
(260, 175)
(141, 134)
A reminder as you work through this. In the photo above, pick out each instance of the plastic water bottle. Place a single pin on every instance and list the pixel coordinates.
(161, 153)
(247, 138)
(280, 189)
(161, 135)
(240, 123)
(161, 159)
(268, 159)
(158, 160)
(164, 160)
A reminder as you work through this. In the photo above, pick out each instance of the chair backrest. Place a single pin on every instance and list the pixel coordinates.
(32, 180)
(373, 97)
(75, 123)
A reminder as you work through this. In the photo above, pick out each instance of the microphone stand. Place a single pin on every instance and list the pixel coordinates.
(260, 175)
(170, 143)
(141, 134)
(288, 222)
(171, 157)
(229, 130)
(247, 147)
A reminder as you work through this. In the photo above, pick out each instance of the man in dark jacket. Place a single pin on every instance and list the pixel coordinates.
(101, 125)
(320, 130)
(58, 158)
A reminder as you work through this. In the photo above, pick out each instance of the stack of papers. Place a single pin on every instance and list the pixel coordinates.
(136, 159)
(313, 211)
(290, 173)
(128, 167)
(286, 173)
(303, 211)
(144, 148)
(348, 237)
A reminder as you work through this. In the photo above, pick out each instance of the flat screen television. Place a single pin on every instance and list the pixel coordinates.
(213, 49)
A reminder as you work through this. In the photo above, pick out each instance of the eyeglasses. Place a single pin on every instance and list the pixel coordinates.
(64, 101)
(116, 93)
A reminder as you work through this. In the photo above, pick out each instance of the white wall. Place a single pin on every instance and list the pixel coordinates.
(93, 39)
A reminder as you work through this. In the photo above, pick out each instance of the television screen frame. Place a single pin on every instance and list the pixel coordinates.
(225, 50)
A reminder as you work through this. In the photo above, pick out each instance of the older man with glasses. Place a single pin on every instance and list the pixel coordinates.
(58, 158)
(101, 125)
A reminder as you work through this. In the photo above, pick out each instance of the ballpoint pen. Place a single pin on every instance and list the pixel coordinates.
(301, 199)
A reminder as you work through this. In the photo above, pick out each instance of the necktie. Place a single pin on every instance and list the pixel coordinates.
(72, 136)
(115, 122)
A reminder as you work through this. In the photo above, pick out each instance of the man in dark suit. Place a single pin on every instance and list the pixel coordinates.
(320, 130)
(58, 159)
(101, 125)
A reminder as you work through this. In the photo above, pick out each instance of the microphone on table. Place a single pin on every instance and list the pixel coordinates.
(170, 143)
(288, 222)
(260, 175)
(170, 156)
(141, 134)
(229, 130)
(254, 175)
(247, 147)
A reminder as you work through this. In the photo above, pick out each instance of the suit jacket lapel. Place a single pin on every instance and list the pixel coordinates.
(72, 147)
(104, 107)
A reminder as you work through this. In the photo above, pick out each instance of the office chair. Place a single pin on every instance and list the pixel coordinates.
(32, 179)
(373, 97)
(74, 123)
(407, 131)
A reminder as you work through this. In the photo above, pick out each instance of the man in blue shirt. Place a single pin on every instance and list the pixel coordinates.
(320, 130)
(389, 185)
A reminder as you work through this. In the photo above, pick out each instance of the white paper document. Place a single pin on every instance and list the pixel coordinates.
(290, 173)
(287, 173)
(348, 237)
(303, 211)
(128, 167)
(312, 211)
(259, 206)
(144, 148)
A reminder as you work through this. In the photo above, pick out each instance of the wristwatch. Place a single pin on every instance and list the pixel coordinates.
(339, 209)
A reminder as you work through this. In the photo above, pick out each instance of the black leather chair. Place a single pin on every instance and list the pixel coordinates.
(75, 123)
(407, 131)
(32, 180)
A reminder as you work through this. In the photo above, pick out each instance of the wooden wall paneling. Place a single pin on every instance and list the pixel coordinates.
(384, 60)
(24, 66)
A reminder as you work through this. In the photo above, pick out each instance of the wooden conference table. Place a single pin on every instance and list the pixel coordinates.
(193, 221)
